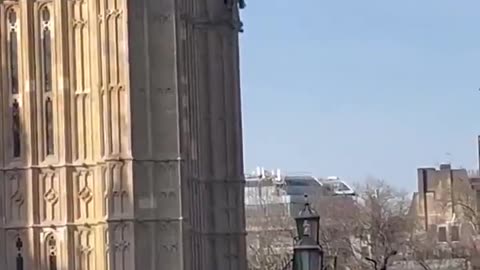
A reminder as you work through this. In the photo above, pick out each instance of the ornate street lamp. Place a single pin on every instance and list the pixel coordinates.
(307, 254)
(308, 216)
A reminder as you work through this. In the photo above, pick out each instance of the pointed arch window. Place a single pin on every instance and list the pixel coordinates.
(16, 129)
(46, 79)
(49, 126)
(52, 253)
(13, 42)
(46, 50)
(13, 51)
(19, 258)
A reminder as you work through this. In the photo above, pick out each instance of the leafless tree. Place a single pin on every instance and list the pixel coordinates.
(270, 251)
(362, 232)
(366, 231)
(270, 230)
(383, 221)
(338, 225)
(270, 240)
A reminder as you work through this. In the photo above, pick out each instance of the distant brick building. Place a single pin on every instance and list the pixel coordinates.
(447, 208)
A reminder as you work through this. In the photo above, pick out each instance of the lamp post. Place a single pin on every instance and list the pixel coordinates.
(308, 216)
(307, 252)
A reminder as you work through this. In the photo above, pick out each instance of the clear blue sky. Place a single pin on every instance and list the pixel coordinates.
(361, 88)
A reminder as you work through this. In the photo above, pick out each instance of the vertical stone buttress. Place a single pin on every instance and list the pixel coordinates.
(18, 134)
(120, 135)
(186, 134)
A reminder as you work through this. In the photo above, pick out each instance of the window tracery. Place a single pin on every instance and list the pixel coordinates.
(49, 126)
(13, 50)
(46, 50)
(46, 79)
(19, 258)
(16, 129)
(52, 253)
(13, 62)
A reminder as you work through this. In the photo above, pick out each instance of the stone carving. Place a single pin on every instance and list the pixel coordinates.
(13, 55)
(16, 198)
(46, 80)
(79, 23)
(16, 129)
(51, 196)
(112, 94)
(84, 249)
(115, 192)
(106, 239)
(15, 246)
(170, 247)
(168, 241)
(81, 80)
(113, 13)
(19, 259)
(119, 193)
(85, 194)
(161, 18)
(106, 191)
(49, 186)
(51, 252)
(120, 246)
(84, 182)
(168, 194)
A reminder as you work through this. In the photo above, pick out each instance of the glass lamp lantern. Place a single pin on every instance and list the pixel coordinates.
(308, 217)
(307, 255)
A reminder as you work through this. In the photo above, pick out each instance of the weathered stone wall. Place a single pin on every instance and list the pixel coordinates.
(120, 135)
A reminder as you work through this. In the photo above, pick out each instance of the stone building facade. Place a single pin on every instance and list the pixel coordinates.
(443, 197)
(445, 207)
(120, 134)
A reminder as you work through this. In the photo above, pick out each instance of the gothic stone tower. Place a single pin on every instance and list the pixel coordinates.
(120, 134)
